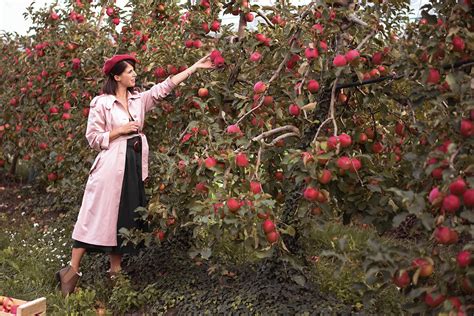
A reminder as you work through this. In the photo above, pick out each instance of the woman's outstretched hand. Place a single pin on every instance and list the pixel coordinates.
(204, 62)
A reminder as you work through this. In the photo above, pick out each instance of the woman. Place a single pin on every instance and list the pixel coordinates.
(115, 187)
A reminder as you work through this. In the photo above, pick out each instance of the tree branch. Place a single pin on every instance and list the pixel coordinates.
(354, 18)
(263, 16)
(286, 135)
(291, 128)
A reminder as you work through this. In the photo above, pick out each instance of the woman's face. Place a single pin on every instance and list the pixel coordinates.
(127, 77)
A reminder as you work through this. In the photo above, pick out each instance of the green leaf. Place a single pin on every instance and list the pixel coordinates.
(469, 215)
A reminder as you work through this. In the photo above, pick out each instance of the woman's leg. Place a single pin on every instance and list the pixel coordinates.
(115, 262)
(76, 257)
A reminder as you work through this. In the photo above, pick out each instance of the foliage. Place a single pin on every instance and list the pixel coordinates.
(387, 137)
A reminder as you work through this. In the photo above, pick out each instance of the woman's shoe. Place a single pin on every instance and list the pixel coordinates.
(67, 279)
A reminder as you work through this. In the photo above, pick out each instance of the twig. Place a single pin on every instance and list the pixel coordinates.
(291, 128)
(263, 16)
(259, 156)
(453, 156)
(286, 135)
(226, 175)
(275, 75)
(101, 18)
(365, 39)
(319, 129)
(357, 174)
(180, 137)
(354, 18)
(304, 78)
(332, 105)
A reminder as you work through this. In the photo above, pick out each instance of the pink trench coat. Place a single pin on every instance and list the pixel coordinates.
(97, 220)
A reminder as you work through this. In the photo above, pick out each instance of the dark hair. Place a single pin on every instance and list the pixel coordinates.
(110, 85)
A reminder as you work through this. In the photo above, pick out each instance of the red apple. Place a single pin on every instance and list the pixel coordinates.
(426, 268)
(377, 58)
(433, 301)
(279, 176)
(313, 86)
(451, 203)
(311, 53)
(458, 187)
(197, 43)
(325, 176)
(400, 128)
(318, 28)
(332, 142)
(268, 226)
(401, 279)
(256, 56)
(52, 176)
(255, 187)
(110, 11)
(339, 61)
(362, 139)
(352, 55)
(355, 165)
(467, 128)
(189, 43)
(377, 147)
(203, 92)
(241, 160)
(272, 237)
(434, 194)
(249, 17)
(310, 194)
(259, 87)
(233, 205)
(54, 16)
(201, 187)
(294, 110)
(444, 235)
(433, 76)
(160, 235)
(468, 198)
(345, 140)
(344, 163)
(464, 258)
(233, 129)
(215, 25)
(267, 100)
(458, 44)
(210, 162)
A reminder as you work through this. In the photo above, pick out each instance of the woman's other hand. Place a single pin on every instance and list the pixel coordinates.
(129, 128)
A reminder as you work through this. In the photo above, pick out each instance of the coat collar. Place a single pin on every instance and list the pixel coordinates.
(109, 99)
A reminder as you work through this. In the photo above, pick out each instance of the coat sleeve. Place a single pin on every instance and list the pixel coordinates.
(156, 93)
(96, 133)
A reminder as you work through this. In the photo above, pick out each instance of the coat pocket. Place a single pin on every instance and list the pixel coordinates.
(94, 165)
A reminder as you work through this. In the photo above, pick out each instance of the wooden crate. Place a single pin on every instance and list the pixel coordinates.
(24, 308)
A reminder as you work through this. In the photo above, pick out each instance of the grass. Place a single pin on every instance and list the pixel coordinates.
(30, 255)
(337, 252)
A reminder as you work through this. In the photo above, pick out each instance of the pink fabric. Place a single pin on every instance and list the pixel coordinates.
(97, 220)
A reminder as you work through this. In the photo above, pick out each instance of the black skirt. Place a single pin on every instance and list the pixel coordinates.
(131, 197)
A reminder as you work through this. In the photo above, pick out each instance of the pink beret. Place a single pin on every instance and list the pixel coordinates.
(111, 62)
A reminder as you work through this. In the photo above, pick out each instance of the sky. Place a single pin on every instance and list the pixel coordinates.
(12, 20)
